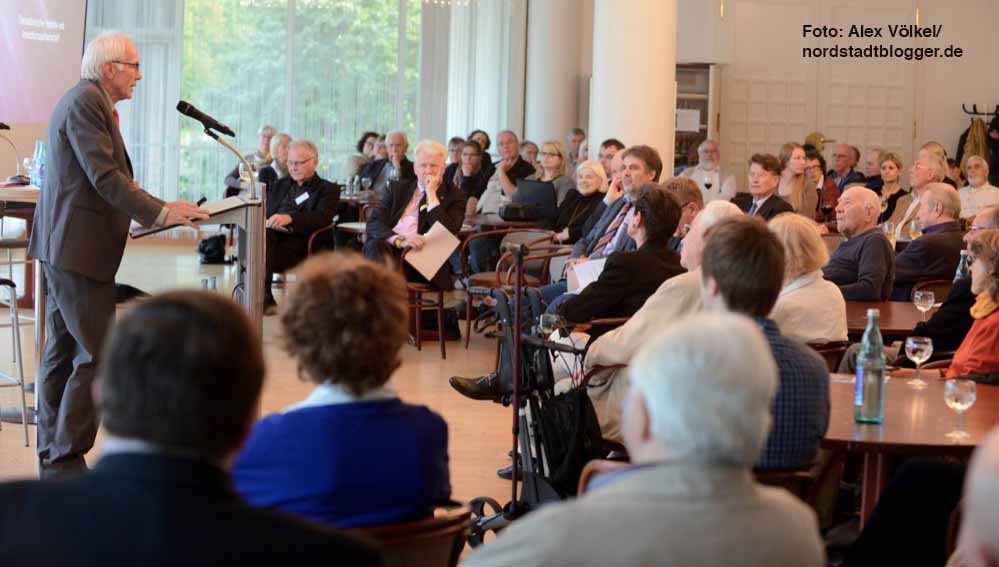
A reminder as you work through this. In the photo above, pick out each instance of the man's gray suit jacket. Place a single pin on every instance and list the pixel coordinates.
(89, 195)
(584, 246)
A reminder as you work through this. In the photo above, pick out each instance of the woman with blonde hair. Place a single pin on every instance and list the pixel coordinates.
(278, 168)
(794, 186)
(582, 203)
(979, 351)
(894, 200)
(554, 167)
(809, 308)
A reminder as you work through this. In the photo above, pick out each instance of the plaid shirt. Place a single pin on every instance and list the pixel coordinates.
(800, 408)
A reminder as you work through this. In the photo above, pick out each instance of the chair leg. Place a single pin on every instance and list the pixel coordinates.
(468, 318)
(16, 332)
(418, 304)
(440, 323)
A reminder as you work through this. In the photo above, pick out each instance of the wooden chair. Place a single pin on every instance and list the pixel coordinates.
(429, 542)
(940, 288)
(831, 352)
(417, 304)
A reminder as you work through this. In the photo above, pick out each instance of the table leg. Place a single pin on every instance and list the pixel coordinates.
(875, 477)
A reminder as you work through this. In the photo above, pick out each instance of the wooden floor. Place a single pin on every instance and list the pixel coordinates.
(479, 431)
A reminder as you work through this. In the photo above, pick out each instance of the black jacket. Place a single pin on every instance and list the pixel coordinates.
(374, 168)
(154, 510)
(575, 211)
(949, 324)
(315, 213)
(450, 213)
(773, 206)
(627, 280)
(932, 256)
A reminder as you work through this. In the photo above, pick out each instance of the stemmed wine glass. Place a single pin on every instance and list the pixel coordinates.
(888, 228)
(924, 300)
(959, 395)
(708, 182)
(919, 350)
(915, 231)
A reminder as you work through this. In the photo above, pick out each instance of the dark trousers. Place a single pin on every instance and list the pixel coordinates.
(284, 252)
(78, 314)
(382, 251)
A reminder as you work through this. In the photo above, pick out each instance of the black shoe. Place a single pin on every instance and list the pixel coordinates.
(488, 387)
(506, 473)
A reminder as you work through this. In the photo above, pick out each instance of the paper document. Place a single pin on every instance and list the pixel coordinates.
(583, 274)
(440, 244)
(688, 120)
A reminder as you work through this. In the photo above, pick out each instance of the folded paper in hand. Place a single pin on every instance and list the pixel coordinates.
(583, 274)
(440, 243)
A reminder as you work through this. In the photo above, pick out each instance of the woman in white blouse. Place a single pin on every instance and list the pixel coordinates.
(809, 308)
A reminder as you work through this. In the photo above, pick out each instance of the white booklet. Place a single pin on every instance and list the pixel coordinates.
(440, 244)
(578, 276)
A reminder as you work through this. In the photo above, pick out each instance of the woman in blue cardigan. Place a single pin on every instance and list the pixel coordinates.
(352, 453)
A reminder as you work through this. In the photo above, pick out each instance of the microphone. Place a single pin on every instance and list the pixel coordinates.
(4, 126)
(187, 109)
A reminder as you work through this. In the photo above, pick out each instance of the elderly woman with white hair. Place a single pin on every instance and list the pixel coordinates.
(582, 203)
(809, 308)
(676, 297)
(695, 421)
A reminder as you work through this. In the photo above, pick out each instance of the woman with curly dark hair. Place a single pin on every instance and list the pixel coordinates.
(352, 453)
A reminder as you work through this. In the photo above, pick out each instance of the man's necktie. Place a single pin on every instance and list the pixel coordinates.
(605, 240)
(752, 209)
(117, 121)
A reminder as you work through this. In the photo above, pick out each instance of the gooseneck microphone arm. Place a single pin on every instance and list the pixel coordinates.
(246, 164)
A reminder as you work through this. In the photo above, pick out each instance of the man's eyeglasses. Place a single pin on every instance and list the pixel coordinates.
(132, 65)
(298, 163)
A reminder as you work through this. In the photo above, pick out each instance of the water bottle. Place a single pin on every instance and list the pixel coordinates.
(37, 160)
(869, 392)
(963, 268)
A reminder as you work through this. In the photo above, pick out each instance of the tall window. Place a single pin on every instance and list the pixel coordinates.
(324, 70)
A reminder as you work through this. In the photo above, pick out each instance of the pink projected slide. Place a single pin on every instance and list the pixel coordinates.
(40, 59)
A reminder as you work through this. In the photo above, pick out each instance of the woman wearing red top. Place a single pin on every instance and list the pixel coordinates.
(979, 352)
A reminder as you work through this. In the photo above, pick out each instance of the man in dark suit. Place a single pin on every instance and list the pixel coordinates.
(395, 167)
(81, 225)
(297, 206)
(764, 177)
(935, 254)
(411, 208)
(178, 391)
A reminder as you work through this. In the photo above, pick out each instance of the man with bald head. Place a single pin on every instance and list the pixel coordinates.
(935, 254)
(863, 267)
(845, 157)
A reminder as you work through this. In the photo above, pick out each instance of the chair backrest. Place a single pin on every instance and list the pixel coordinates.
(832, 242)
(940, 288)
(831, 352)
(531, 237)
(429, 542)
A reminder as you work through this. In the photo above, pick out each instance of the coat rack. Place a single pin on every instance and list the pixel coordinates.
(974, 111)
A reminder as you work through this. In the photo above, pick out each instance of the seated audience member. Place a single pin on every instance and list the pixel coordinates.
(935, 254)
(949, 324)
(467, 172)
(607, 151)
(639, 165)
(815, 167)
(381, 152)
(629, 278)
(894, 200)
(675, 298)
(503, 183)
(351, 453)
(977, 541)
(297, 206)
(927, 168)
(955, 173)
(485, 143)
(979, 193)
(278, 168)
(845, 157)
(937, 149)
(411, 208)
(178, 387)
(809, 309)
(979, 351)
(258, 159)
(691, 202)
(454, 146)
(864, 265)
(582, 202)
(742, 271)
(872, 169)
(396, 167)
(576, 144)
(365, 153)
(764, 176)
(554, 168)
(529, 152)
(713, 182)
(694, 423)
(793, 186)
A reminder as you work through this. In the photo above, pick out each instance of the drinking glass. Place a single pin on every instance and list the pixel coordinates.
(884, 205)
(915, 231)
(549, 323)
(924, 300)
(366, 183)
(919, 350)
(959, 395)
(707, 182)
(888, 228)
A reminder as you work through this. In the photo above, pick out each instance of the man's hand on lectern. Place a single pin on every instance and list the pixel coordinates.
(184, 212)
(278, 221)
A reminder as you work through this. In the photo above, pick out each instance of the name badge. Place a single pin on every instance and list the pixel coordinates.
(302, 198)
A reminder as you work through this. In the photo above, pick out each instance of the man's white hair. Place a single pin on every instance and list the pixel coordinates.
(945, 196)
(309, 145)
(976, 157)
(108, 46)
(716, 211)
(937, 164)
(708, 399)
(430, 147)
(405, 139)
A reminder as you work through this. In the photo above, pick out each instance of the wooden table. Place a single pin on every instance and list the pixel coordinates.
(896, 321)
(916, 423)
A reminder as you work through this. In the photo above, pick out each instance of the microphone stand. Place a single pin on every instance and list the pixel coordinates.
(17, 159)
(253, 186)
